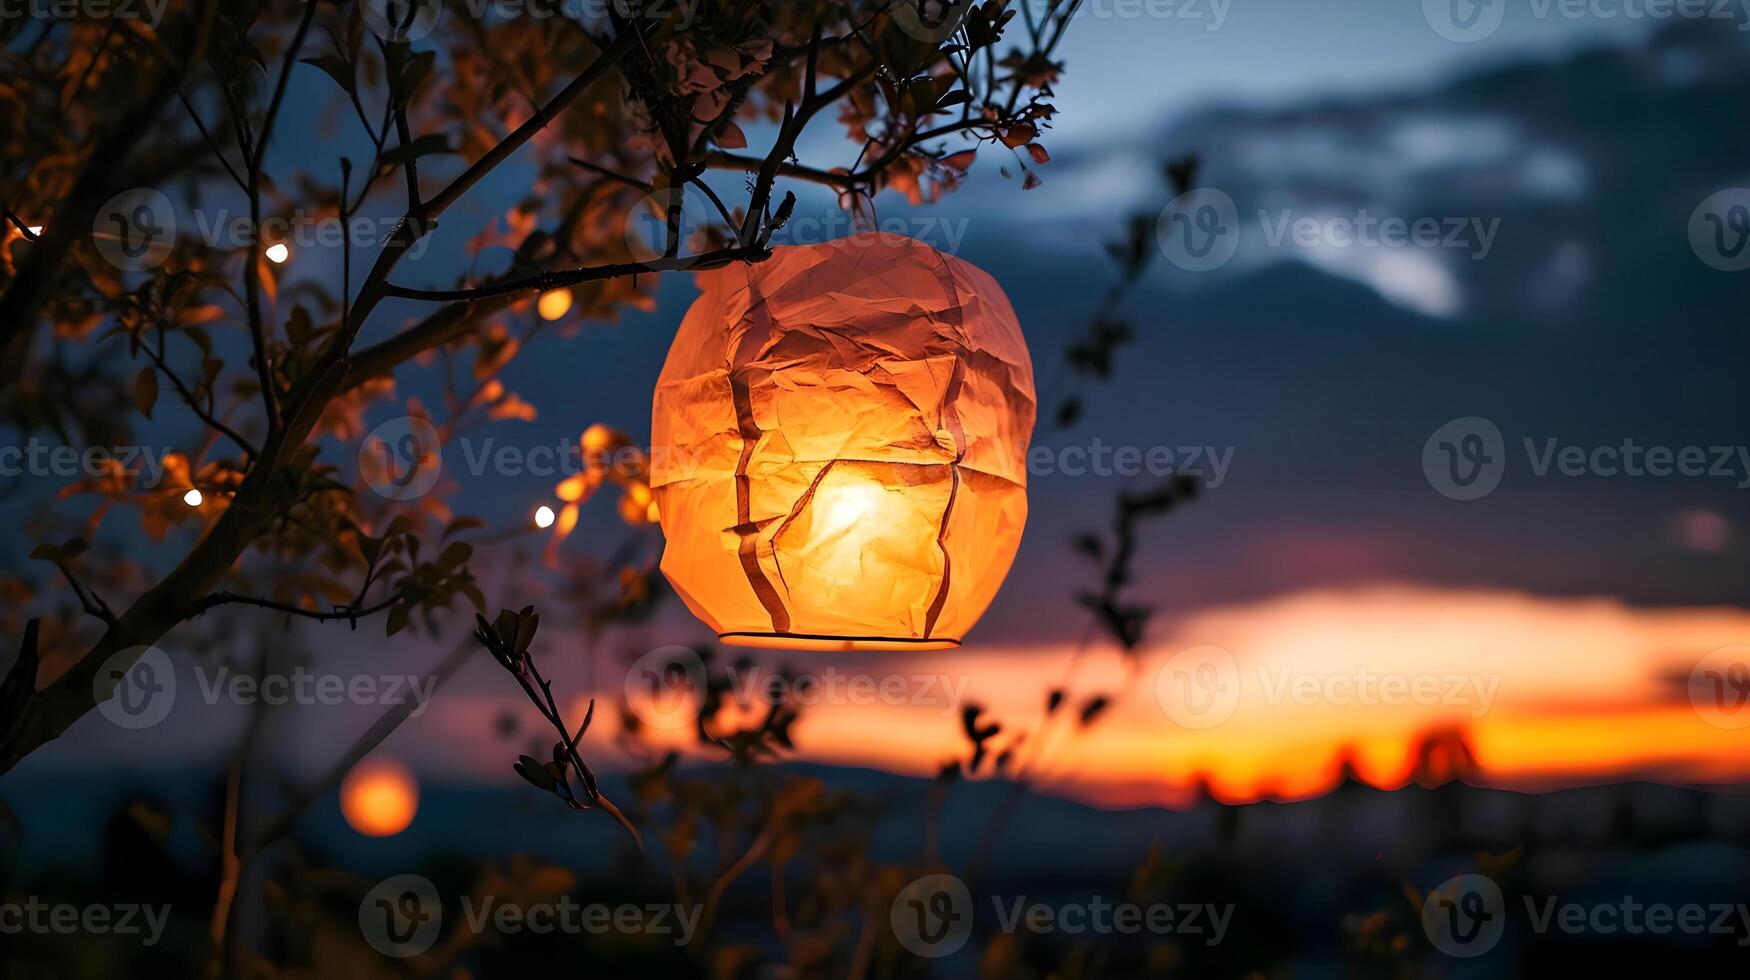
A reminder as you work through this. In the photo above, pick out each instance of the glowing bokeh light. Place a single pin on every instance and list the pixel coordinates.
(554, 304)
(379, 798)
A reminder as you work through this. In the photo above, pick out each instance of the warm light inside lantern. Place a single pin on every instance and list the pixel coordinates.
(379, 798)
(840, 439)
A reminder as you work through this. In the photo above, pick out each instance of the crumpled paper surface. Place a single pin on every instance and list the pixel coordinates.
(839, 446)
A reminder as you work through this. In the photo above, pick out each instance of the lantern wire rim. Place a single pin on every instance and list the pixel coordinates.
(820, 641)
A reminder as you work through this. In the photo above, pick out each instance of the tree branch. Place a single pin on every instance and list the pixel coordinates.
(557, 279)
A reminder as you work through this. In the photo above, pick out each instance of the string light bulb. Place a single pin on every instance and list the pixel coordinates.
(278, 253)
(554, 303)
(193, 497)
(544, 516)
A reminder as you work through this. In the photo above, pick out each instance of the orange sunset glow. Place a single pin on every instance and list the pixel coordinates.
(1545, 692)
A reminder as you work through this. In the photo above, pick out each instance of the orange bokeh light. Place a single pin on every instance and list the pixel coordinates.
(379, 798)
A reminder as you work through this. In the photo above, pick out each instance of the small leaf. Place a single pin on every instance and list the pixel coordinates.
(730, 136)
(398, 615)
(336, 68)
(453, 556)
(525, 633)
(146, 390)
(536, 773)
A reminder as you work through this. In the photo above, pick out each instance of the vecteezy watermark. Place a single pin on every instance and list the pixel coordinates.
(401, 20)
(1470, 234)
(929, 21)
(1719, 229)
(403, 917)
(1465, 459)
(679, 13)
(135, 230)
(1200, 687)
(410, 20)
(147, 12)
(1200, 231)
(300, 229)
(402, 458)
(305, 687)
(33, 915)
(665, 688)
(1468, 21)
(39, 459)
(1466, 917)
(137, 688)
(1719, 687)
(1212, 14)
(933, 916)
(1206, 464)
(648, 226)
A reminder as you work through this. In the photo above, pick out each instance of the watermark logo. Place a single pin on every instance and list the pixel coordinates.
(930, 21)
(1199, 687)
(1206, 464)
(306, 688)
(647, 224)
(37, 458)
(1199, 230)
(1719, 230)
(932, 916)
(1719, 687)
(665, 688)
(401, 20)
(135, 230)
(648, 239)
(33, 915)
(1211, 13)
(135, 688)
(1465, 458)
(1464, 21)
(401, 916)
(1465, 916)
(1468, 21)
(402, 458)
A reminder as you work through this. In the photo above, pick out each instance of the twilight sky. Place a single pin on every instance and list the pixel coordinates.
(1316, 373)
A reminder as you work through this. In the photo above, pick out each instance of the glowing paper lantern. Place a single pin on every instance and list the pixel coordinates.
(839, 447)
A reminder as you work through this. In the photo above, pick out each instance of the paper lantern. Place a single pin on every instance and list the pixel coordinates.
(839, 447)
